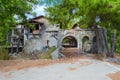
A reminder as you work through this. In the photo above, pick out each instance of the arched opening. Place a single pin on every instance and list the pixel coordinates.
(85, 43)
(69, 42)
(94, 44)
(75, 26)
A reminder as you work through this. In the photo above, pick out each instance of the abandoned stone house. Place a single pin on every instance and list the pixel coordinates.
(45, 35)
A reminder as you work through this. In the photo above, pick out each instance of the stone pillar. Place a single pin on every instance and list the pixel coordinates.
(78, 42)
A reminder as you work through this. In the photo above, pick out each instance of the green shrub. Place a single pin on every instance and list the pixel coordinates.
(4, 54)
(47, 54)
(35, 55)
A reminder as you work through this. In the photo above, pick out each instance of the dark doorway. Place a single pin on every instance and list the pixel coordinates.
(69, 42)
(94, 43)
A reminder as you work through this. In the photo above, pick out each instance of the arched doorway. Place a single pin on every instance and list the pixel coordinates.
(85, 43)
(94, 44)
(69, 42)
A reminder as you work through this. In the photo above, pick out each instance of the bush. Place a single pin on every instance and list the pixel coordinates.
(4, 54)
(47, 54)
(35, 55)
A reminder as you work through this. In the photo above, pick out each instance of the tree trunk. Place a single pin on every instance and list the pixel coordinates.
(113, 43)
(101, 40)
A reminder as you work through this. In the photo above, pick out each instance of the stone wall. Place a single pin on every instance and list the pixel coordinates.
(39, 44)
(78, 35)
(55, 39)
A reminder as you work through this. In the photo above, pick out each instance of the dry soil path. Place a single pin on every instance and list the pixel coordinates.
(69, 69)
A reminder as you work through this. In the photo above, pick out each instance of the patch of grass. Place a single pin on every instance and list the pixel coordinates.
(47, 54)
(35, 55)
(4, 54)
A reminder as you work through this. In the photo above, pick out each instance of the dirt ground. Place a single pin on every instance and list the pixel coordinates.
(115, 76)
(12, 65)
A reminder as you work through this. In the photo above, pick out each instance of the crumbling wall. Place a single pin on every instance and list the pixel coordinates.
(40, 44)
(79, 35)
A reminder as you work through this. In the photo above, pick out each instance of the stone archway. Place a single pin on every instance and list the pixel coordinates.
(69, 42)
(85, 43)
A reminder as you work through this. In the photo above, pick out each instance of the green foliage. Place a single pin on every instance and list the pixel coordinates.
(65, 41)
(85, 13)
(85, 39)
(31, 26)
(35, 55)
(47, 54)
(13, 11)
(4, 54)
(62, 14)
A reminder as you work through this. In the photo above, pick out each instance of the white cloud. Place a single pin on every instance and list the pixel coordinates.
(40, 10)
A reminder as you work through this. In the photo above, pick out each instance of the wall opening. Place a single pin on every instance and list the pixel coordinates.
(69, 42)
(85, 43)
(94, 44)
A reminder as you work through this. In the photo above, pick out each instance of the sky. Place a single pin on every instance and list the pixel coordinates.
(39, 11)
(40, 8)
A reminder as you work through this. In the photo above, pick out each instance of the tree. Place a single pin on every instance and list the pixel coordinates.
(88, 12)
(62, 13)
(108, 13)
(12, 11)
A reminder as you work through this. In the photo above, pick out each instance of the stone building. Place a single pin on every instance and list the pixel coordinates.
(44, 35)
